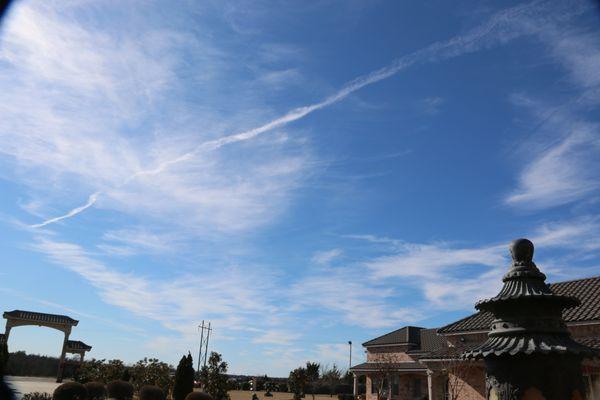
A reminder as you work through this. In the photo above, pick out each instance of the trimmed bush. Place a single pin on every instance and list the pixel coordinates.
(70, 391)
(150, 392)
(36, 396)
(95, 390)
(342, 389)
(198, 396)
(120, 390)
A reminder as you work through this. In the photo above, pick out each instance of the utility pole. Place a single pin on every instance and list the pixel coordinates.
(203, 343)
(206, 348)
(350, 361)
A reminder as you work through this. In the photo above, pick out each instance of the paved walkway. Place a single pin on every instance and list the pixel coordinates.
(26, 384)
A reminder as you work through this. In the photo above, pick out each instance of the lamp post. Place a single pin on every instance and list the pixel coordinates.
(350, 360)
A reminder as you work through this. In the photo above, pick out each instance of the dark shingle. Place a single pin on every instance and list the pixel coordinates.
(405, 335)
(586, 290)
(431, 341)
(41, 317)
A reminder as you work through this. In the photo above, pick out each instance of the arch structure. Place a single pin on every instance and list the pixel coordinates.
(62, 323)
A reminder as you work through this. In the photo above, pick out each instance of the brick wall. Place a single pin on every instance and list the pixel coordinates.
(389, 357)
(474, 385)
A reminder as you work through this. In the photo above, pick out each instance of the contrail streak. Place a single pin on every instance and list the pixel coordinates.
(501, 27)
(91, 200)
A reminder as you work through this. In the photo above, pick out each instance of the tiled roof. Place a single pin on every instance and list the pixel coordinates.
(431, 341)
(407, 334)
(586, 290)
(78, 345)
(375, 366)
(40, 317)
(591, 341)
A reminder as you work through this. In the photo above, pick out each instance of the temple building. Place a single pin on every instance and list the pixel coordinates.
(418, 363)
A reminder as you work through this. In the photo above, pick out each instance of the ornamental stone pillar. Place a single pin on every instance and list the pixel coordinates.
(529, 353)
(355, 385)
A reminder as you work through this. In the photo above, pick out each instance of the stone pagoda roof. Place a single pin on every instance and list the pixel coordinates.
(586, 290)
(527, 314)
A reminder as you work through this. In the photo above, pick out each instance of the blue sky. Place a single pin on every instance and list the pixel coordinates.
(299, 173)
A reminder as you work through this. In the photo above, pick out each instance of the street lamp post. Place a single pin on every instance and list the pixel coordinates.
(350, 360)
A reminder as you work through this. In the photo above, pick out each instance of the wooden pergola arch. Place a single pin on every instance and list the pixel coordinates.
(62, 323)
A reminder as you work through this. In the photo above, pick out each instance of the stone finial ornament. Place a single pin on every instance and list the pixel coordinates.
(521, 251)
(529, 348)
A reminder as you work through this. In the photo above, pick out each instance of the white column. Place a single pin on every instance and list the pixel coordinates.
(430, 384)
(355, 386)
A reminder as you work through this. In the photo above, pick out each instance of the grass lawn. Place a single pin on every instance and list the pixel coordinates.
(247, 395)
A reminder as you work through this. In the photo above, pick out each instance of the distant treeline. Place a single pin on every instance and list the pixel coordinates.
(23, 364)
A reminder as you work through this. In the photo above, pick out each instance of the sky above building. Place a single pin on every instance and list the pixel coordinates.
(300, 174)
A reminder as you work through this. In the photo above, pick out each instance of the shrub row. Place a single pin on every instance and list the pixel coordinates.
(115, 390)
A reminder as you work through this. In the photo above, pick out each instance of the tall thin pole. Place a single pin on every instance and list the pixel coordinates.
(350, 361)
(206, 348)
(200, 349)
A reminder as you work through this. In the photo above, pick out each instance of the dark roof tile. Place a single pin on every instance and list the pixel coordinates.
(431, 341)
(404, 335)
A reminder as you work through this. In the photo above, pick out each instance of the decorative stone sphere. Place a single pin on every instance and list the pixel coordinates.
(521, 250)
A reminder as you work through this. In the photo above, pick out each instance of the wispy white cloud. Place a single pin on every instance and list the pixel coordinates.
(431, 260)
(277, 337)
(563, 168)
(176, 302)
(563, 173)
(326, 256)
(478, 269)
(431, 105)
(134, 241)
(347, 293)
(81, 140)
(499, 28)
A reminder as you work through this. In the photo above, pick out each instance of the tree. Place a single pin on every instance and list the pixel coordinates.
(3, 357)
(151, 371)
(184, 378)
(331, 376)
(381, 377)
(457, 372)
(213, 377)
(100, 371)
(113, 370)
(312, 376)
(297, 382)
(90, 371)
